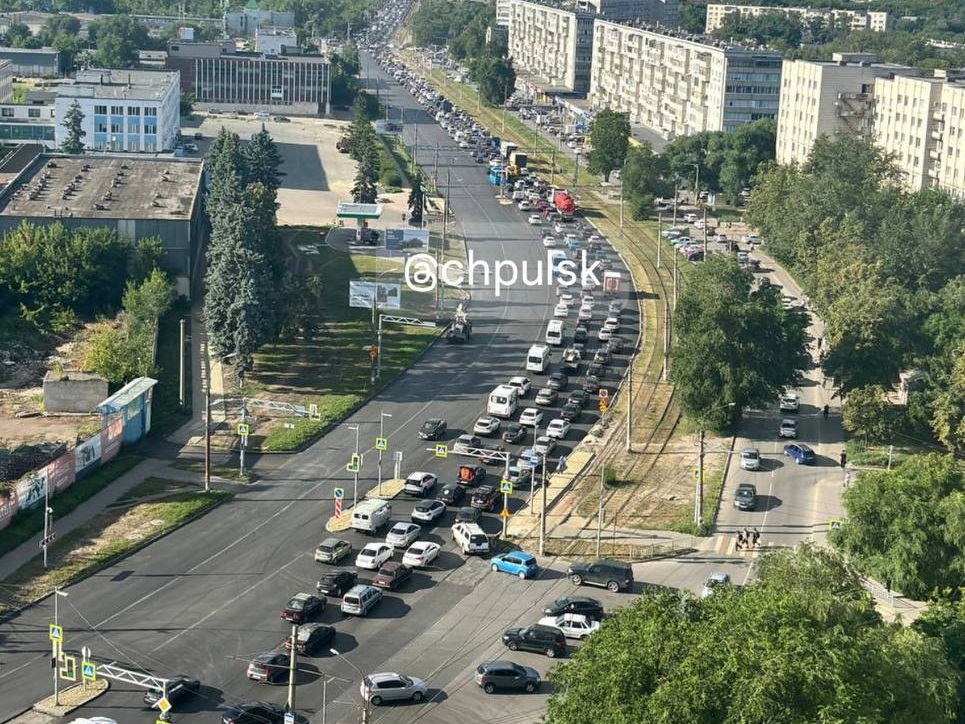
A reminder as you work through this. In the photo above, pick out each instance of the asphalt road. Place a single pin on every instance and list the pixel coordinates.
(205, 599)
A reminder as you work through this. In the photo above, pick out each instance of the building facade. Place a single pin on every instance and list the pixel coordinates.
(875, 21)
(662, 12)
(22, 123)
(276, 41)
(248, 20)
(124, 110)
(677, 86)
(825, 98)
(220, 78)
(34, 62)
(551, 47)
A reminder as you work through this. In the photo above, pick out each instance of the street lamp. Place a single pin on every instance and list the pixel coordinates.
(699, 498)
(355, 489)
(365, 699)
(57, 594)
(382, 416)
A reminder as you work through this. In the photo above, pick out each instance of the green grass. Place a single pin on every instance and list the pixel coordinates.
(874, 456)
(26, 525)
(220, 471)
(167, 415)
(150, 487)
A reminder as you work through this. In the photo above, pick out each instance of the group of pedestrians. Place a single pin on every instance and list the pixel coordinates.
(747, 539)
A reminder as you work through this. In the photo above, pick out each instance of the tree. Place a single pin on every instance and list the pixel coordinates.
(733, 347)
(364, 191)
(945, 620)
(668, 657)
(907, 525)
(610, 134)
(867, 414)
(74, 130)
(263, 161)
(186, 103)
(118, 39)
(417, 201)
(360, 134)
(146, 257)
(644, 177)
(948, 407)
(495, 77)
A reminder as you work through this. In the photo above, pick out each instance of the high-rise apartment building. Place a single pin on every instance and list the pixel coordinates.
(551, 47)
(872, 20)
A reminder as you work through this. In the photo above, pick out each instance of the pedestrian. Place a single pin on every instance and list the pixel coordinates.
(740, 541)
(843, 458)
(747, 536)
(820, 343)
(756, 536)
(826, 411)
(847, 478)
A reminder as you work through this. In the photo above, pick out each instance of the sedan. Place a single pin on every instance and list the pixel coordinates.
(558, 381)
(428, 511)
(573, 625)
(420, 483)
(178, 688)
(750, 459)
(544, 445)
(514, 433)
(557, 429)
(421, 554)
(535, 219)
(401, 535)
(546, 397)
(561, 311)
(531, 417)
(464, 443)
(336, 583)
(332, 550)
(269, 667)
(373, 555)
(433, 429)
(788, 429)
(584, 605)
(550, 242)
(301, 607)
(392, 575)
(801, 453)
(714, 582)
(789, 402)
(571, 411)
(517, 563)
(486, 426)
(310, 637)
(745, 497)
(579, 397)
(377, 688)
(591, 384)
(254, 712)
(492, 456)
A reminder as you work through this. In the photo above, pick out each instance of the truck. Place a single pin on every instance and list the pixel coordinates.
(564, 203)
(506, 148)
(571, 359)
(460, 330)
(518, 159)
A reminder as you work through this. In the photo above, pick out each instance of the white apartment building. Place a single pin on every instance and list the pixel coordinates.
(821, 98)
(677, 86)
(875, 21)
(124, 110)
(550, 47)
(503, 13)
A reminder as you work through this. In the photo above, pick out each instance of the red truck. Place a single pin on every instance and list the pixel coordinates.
(564, 203)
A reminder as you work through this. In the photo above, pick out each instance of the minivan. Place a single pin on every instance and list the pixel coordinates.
(361, 599)
(370, 515)
(470, 538)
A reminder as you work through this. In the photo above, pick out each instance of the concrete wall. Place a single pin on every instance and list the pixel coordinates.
(73, 392)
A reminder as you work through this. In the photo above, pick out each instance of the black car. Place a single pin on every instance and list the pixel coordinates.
(581, 334)
(584, 605)
(451, 494)
(558, 381)
(493, 675)
(254, 712)
(612, 575)
(178, 688)
(745, 498)
(596, 369)
(310, 637)
(580, 397)
(301, 607)
(603, 355)
(336, 583)
(571, 411)
(547, 640)
(433, 429)
(591, 384)
(468, 515)
(484, 497)
(514, 433)
(490, 458)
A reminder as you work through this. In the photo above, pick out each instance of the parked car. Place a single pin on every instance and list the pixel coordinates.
(745, 497)
(178, 688)
(428, 511)
(269, 667)
(402, 534)
(612, 575)
(419, 483)
(373, 555)
(583, 605)
(301, 607)
(332, 550)
(433, 429)
(547, 640)
(420, 554)
(573, 625)
(310, 637)
(378, 688)
(254, 712)
(392, 575)
(750, 459)
(336, 583)
(801, 454)
(517, 563)
(501, 675)
(484, 497)
(451, 494)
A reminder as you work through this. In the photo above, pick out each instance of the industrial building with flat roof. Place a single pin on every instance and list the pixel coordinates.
(138, 197)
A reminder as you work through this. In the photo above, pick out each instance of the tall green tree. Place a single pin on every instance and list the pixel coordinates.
(263, 161)
(117, 39)
(74, 130)
(867, 414)
(645, 176)
(495, 77)
(948, 407)
(364, 191)
(944, 620)
(417, 201)
(610, 135)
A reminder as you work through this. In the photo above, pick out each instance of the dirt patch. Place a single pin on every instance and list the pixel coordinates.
(16, 429)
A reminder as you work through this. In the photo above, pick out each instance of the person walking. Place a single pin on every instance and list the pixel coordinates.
(843, 459)
(740, 541)
(756, 535)
(747, 536)
(826, 411)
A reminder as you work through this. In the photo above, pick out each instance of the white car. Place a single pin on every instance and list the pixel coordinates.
(558, 428)
(605, 335)
(750, 239)
(531, 417)
(550, 242)
(587, 305)
(586, 314)
(420, 483)
(561, 310)
(573, 625)
(373, 555)
(566, 298)
(523, 384)
(616, 306)
(420, 554)
(401, 535)
(487, 426)
(524, 205)
(428, 511)
(714, 581)
(789, 402)
(535, 219)
(611, 323)
(378, 688)
(750, 459)
(788, 429)
(544, 445)
(559, 228)
(596, 239)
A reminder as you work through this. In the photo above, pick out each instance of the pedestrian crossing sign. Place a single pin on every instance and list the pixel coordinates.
(88, 671)
(243, 429)
(506, 486)
(442, 451)
(381, 443)
(835, 523)
(55, 632)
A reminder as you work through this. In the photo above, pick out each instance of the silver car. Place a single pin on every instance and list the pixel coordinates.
(377, 688)
(750, 459)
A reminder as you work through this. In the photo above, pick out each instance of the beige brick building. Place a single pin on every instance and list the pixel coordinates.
(874, 21)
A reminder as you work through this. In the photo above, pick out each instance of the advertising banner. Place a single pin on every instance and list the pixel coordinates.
(387, 296)
(111, 438)
(87, 453)
(60, 473)
(31, 489)
(388, 128)
(407, 239)
(8, 506)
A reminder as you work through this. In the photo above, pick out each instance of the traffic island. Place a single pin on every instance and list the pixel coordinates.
(69, 699)
(390, 489)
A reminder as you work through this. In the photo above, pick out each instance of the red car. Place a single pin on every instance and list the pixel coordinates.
(301, 607)
(392, 575)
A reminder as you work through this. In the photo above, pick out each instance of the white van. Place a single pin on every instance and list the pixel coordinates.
(370, 515)
(538, 358)
(554, 332)
(503, 401)
(470, 538)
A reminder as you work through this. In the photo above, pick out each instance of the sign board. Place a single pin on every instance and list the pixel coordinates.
(381, 443)
(603, 405)
(504, 513)
(354, 464)
(365, 295)
(313, 411)
(88, 671)
(339, 493)
(604, 393)
(386, 128)
(835, 523)
(696, 474)
(244, 429)
(407, 239)
(611, 282)
(289, 718)
(68, 668)
(164, 705)
(506, 487)
(442, 451)
(55, 632)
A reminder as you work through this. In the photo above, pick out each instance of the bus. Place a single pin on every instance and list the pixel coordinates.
(554, 333)
(503, 401)
(538, 358)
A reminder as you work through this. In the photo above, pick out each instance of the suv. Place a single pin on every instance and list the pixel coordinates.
(542, 639)
(336, 583)
(583, 605)
(493, 675)
(484, 497)
(361, 599)
(613, 575)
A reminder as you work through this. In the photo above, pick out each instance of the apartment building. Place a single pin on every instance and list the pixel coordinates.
(503, 13)
(875, 21)
(821, 98)
(678, 86)
(551, 47)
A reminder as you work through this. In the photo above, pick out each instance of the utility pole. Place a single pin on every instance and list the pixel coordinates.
(56, 663)
(207, 434)
(382, 416)
(244, 420)
(445, 230)
(49, 520)
(355, 489)
(705, 232)
(659, 234)
(675, 282)
(699, 501)
(542, 512)
(553, 167)
(181, 366)
(666, 339)
(576, 168)
(435, 170)
(292, 664)
(599, 511)
(629, 402)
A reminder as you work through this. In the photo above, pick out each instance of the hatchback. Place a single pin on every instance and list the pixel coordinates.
(750, 459)
(494, 675)
(336, 583)
(801, 454)
(516, 563)
(428, 511)
(557, 381)
(745, 497)
(546, 397)
(376, 688)
(310, 637)
(269, 667)
(514, 433)
(332, 550)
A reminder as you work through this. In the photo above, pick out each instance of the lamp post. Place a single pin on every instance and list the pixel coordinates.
(207, 419)
(699, 498)
(382, 416)
(355, 488)
(57, 594)
(365, 700)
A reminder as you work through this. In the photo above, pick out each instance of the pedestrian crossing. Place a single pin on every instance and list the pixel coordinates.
(726, 545)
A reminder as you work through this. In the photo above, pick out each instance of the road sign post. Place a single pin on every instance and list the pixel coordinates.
(88, 671)
(339, 494)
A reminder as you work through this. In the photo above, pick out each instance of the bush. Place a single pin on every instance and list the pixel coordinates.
(391, 177)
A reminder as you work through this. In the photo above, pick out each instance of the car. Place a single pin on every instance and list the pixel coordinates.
(788, 429)
(573, 625)
(520, 475)
(464, 443)
(433, 429)
(547, 640)
(557, 381)
(529, 458)
(470, 474)
(336, 583)
(467, 514)
(561, 310)
(310, 637)
(713, 582)
(583, 605)
(750, 459)
(332, 550)
(550, 242)
(420, 483)
(535, 219)
(544, 445)
(531, 417)
(262, 115)
(492, 676)
(596, 369)
(392, 575)
(524, 205)
(178, 688)
(373, 555)
(254, 712)
(514, 433)
(402, 534)
(420, 554)
(517, 563)
(605, 334)
(614, 308)
(546, 397)
(612, 324)
(428, 511)
(591, 384)
(571, 411)
(361, 599)
(580, 397)
(585, 314)
(522, 384)
(493, 455)
(612, 575)
(557, 428)
(486, 426)
(377, 688)
(745, 497)
(789, 402)
(451, 494)
(484, 497)
(301, 607)
(581, 334)
(269, 667)
(801, 454)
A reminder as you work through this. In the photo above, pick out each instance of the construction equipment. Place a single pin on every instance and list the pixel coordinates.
(460, 329)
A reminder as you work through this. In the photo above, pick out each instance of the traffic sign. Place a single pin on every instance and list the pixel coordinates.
(68, 668)
(604, 393)
(696, 474)
(313, 411)
(164, 705)
(88, 671)
(339, 493)
(504, 513)
(244, 429)
(338, 508)
(354, 464)
(381, 443)
(442, 451)
(47, 540)
(505, 486)
(603, 405)
(55, 632)
(835, 523)
(289, 718)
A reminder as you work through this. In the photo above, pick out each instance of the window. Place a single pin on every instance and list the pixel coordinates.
(150, 111)
(133, 125)
(100, 110)
(150, 128)
(33, 113)
(133, 110)
(117, 110)
(117, 127)
(100, 127)
(7, 112)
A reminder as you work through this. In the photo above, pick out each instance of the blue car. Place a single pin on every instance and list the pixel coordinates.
(516, 562)
(801, 453)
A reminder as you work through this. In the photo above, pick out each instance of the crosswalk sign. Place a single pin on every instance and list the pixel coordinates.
(835, 523)
(381, 443)
(442, 451)
(506, 486)
(88, 671)
(243, 429)
(55, 632)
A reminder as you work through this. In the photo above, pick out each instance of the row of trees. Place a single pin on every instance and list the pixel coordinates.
(363, 146)
(883, 268)
(803, 643)
(245, 268)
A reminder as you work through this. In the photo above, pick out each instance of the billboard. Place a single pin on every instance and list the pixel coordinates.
(407, 239)
(111, 438)
(61, 472)
(31, 489)
(87, 453)
(388, 128)
(8, 506)
(386, 296)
